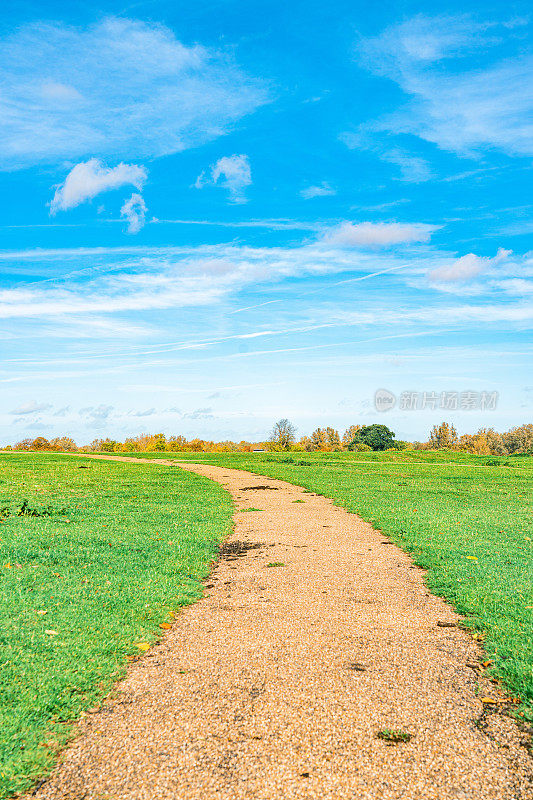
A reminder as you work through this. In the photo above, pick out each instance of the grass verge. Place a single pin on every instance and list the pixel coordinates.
(94, 558)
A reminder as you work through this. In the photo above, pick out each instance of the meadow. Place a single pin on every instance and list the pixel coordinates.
(95, 559)
(466, 519)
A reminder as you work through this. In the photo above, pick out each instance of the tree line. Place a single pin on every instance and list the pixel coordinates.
(486, 441)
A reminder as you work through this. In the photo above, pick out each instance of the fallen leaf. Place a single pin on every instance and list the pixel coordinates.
(165, 625)
(472, 558)
(50, 632)
(42, 612)
(488, 701)
(143, 646)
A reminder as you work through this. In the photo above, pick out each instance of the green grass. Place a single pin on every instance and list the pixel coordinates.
(466, 519)
(109, 553)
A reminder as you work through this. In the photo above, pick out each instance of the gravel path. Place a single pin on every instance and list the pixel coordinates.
(277, 683)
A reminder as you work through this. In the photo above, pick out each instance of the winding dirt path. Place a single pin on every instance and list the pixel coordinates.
(276, 684)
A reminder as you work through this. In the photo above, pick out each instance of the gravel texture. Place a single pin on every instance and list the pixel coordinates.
(277, 683)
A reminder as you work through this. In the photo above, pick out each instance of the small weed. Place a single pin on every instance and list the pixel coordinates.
(394, 736)
(298, 501)
(276, 564)
(243, 510)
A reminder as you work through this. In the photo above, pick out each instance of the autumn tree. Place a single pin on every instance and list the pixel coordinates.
(519, 440)
(176, 443)
(495, 442)
(475, 443)
(333, 440)
(319, 439)
(443, 436)
(64, 443)
(349, 434)
(40, 443)
(25, 444)
(282, 435)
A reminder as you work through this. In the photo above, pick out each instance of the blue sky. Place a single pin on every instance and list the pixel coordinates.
(222, 213)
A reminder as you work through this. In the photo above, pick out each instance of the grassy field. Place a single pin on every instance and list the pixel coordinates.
(467, 519)
(92, 562)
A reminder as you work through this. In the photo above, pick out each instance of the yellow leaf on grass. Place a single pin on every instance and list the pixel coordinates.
(143, 646)
(165, 625)
(51, 632)
(472, 558)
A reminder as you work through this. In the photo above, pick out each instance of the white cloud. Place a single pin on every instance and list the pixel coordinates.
(31, 408)
(120, 88)
(412, 168)
(199, 413)
(134, 211)
(236, 176)
(517, 286)
(463, 111)
(96, 416)
(59, 92)
(378, 234)
(466, 267)
(323, 190)
(201, 277)
(90, 178)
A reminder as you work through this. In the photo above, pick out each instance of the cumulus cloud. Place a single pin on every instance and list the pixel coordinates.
(322, 190)
(232, 173)
(122, 88)
(33, 407)
(461, 110)
(90, 178)
(467, 267)
(378, 234)
(134, 212)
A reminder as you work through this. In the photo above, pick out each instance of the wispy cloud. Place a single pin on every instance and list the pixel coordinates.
(121, 87)
(96, 416)
(33, 407)
(232, 173)
(322, 190)
(134, 211)
(378, 234)
(461, 110)
(149, 412)
(207, 275)
(90, 178)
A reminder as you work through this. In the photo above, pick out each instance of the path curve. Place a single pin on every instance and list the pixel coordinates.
(276, 684)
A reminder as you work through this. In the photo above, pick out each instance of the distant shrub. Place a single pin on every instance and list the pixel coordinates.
(361, 447)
